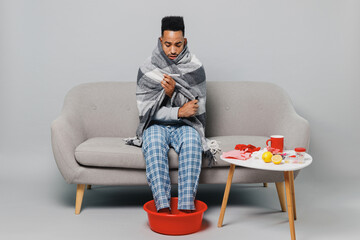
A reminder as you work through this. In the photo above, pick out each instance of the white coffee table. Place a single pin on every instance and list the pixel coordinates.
(287, 168)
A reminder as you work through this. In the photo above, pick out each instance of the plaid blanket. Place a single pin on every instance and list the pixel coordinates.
(189, 75)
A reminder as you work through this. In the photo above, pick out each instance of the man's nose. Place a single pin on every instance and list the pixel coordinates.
(173, 50)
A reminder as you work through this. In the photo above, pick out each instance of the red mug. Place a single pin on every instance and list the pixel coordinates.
(277, 141)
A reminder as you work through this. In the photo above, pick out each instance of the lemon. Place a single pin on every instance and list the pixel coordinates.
(276, 159)
(267, 157)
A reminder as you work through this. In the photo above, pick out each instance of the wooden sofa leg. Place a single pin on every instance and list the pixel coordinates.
(88, 186)
(79, 197)
(265, 184)
(281, 193)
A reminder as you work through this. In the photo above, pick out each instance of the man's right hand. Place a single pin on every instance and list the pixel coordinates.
(189, 109)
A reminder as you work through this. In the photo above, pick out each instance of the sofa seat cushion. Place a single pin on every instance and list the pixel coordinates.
(114, 153)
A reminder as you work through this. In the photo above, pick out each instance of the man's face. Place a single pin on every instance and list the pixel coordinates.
(173, 42)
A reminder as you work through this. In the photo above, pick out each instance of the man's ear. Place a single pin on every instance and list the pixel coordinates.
(160, 38)
(185, 41)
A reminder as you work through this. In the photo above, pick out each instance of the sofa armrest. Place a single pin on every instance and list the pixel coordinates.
(295, 129)
(66, 134)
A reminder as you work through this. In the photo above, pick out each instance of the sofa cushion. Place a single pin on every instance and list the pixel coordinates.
(114, 153)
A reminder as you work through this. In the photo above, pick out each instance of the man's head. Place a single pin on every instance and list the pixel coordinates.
(172, 36)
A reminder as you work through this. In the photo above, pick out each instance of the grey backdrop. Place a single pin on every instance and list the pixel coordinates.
(310, 48)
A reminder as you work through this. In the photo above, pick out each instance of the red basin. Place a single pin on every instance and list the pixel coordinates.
(176, 223)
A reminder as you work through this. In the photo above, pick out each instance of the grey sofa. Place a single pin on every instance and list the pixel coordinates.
(88, 146)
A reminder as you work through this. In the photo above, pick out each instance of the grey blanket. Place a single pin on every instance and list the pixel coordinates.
(189, 75)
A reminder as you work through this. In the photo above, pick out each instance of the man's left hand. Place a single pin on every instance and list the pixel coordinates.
(169, 85)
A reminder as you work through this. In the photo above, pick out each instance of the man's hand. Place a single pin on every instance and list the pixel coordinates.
(189, 109)
(169, 85)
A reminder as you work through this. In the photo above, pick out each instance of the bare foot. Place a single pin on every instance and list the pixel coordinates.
(164, 210)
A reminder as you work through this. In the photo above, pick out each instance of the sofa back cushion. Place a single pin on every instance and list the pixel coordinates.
(245, 108)
(108, 109)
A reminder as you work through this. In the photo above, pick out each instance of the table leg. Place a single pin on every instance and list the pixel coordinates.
(289, 197)
(226, 195)
(293, 192)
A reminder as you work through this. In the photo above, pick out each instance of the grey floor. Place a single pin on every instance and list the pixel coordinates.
(38, 204)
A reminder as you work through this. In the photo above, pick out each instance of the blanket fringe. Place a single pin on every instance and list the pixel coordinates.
(210, 154)
(134, 141)
(209, 157)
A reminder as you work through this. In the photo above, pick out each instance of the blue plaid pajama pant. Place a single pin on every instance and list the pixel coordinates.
(185, 140)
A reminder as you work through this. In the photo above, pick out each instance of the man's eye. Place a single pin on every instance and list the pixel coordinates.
(168, 45)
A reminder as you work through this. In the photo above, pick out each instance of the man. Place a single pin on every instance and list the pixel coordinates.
(171, 95)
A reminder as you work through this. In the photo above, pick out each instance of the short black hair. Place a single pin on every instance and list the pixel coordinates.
(172, 23)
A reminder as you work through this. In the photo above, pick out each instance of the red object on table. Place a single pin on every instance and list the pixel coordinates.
(237, 154)
(247, 148)
(273, 150)
(241, 152)
(300, 149)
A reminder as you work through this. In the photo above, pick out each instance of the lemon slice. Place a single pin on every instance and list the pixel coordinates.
(276, 159)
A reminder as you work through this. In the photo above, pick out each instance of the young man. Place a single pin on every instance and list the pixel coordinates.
(171, 95)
